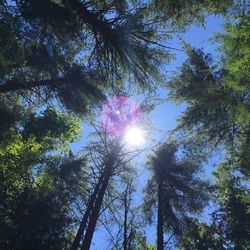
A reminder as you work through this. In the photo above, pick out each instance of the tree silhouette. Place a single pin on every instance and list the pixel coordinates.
(174, 190)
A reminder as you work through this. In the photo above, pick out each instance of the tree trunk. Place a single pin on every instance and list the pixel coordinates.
(96, 210)
(130, 239)
(125, 240)
(160, 240)
(84, 221)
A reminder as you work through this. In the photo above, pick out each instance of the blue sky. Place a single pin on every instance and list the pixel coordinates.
(164, 117)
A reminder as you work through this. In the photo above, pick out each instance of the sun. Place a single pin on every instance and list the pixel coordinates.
(134, 136)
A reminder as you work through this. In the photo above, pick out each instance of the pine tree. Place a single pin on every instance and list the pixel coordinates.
(77, 51)
(174, 191)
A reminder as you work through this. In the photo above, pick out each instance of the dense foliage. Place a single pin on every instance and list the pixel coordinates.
(59, 60)
(35, 196)
(78, 51)
(217, 116)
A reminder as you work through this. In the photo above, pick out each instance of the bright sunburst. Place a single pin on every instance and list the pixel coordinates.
(134, 136)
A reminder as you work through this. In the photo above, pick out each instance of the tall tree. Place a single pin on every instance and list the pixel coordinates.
(110, 160)
(217, 99)
(217, 94)
(174, 190)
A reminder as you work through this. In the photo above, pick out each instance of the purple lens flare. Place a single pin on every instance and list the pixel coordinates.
(118, 114)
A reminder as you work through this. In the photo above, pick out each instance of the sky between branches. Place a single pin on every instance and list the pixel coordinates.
(164, 117)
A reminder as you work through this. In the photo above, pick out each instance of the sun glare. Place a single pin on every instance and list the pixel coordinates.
(134, 136)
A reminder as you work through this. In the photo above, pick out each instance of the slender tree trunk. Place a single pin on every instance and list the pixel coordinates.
(89, 221)
(160, 240)
(96, 210)
(84, 221)
(130, 238)
(125, 240)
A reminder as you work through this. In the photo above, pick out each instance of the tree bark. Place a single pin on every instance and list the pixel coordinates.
(84, 221)
(89, 221)
(160, 240)
(96, 210)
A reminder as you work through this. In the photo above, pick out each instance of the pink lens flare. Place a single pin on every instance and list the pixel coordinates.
(118, 114)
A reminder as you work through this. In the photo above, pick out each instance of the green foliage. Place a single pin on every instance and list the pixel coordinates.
(211, 107)
(235, 46)
(217, 95)
(76, 52)
(9, 43)
(28, 138)
(233, 197)
(184, 13)
(230, 224)
(38, 216)
(37, 183)
(53, 129)
(217, 100)
(201, 236)
(140, 242)
(79, 51)
(73, 50)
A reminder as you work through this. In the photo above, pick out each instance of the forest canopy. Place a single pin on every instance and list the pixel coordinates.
(72, 135)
